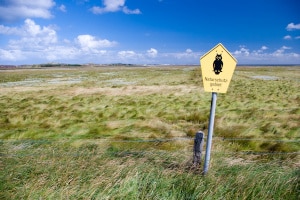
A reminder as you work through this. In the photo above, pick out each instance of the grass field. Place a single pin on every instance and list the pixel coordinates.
(127, 133)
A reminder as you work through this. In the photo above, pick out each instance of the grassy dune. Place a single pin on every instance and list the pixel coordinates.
(119, 133)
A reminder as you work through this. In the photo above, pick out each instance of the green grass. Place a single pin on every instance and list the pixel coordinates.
(96, 133)
(95, 169)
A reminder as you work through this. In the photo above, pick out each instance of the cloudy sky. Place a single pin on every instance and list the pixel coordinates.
(148, 31)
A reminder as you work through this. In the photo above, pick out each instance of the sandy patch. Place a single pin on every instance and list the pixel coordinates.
(266, 78)
(21, 89)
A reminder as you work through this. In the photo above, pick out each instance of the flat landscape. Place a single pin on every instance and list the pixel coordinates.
(126, 132)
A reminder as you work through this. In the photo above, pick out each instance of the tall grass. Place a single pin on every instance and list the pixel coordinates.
(99, 170)
(78, 134)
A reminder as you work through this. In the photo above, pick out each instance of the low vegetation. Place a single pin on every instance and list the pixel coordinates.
(127, 133)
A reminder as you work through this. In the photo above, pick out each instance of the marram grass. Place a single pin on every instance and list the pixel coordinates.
(99, 169)
(96, 133)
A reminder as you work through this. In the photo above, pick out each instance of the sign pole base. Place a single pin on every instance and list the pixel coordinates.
(210, 131)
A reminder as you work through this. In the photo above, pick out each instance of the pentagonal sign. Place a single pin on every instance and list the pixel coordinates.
(217, 67)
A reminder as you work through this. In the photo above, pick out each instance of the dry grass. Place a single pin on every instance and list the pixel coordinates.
(80, 134)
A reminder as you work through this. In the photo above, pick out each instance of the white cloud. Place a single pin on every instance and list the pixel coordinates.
(14, 9)
(264, 48)
(126, 54)
(262, 56)
(91, 43)
(242, 51)
(128, 11)
(151, 56)
(292, 26)
(33, 36)
(11, 55)
(34, 42)
(285, 47)
(152, 52)
(97, 10)
(114, 6)
(62, 8)
(188, 51)
(281, 50)
(187, 55)
(9, 30)
(280, 55)
(287, 37)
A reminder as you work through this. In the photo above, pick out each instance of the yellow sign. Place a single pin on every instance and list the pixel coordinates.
(217, 67)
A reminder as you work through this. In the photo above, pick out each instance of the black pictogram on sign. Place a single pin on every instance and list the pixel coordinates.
(218, 64)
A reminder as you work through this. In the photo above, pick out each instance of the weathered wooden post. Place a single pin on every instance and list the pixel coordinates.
(198, 147)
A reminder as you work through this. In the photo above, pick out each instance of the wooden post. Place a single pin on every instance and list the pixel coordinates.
(198, 146)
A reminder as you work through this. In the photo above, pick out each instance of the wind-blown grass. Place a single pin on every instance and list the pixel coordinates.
(77, 134)
(97, 169)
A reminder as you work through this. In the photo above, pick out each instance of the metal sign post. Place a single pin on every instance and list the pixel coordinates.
(217, 67)
(210, 131)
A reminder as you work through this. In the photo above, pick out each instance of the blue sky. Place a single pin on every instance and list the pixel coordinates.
(148, 31)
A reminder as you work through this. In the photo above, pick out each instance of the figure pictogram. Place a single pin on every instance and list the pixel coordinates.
(218, 64)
